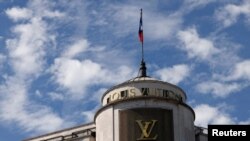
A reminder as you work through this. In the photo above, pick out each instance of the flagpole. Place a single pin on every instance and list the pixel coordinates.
(142, 49)
(143, 69)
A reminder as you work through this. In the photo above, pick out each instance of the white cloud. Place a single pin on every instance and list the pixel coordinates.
(192, 4)
(162, 27)
(218, 89)
(234, 80)
(116, 75)
(195, 45)
(206, 114)
(241, 70)
(16, 108)
(26, 50)
(76, 48)
(17, 13)
(158, 26)
(35, 8)
(45, 8)
(175, 74)
(77, 76)
(227, 51)
(230, 13)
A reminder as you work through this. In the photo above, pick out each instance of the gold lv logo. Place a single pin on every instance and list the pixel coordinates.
(146, 129)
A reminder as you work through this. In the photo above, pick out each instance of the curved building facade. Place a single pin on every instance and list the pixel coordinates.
(145, 109)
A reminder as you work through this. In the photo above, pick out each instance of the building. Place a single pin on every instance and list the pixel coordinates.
(142, 108)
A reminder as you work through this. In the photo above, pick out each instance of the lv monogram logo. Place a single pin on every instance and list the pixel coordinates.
(146, 130)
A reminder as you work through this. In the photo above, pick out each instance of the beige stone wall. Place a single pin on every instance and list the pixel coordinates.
(105, 125)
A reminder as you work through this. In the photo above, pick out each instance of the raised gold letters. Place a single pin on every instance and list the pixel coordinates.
(133, 92)
(146, 130)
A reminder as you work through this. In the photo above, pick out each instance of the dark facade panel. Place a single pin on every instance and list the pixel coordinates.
(146, 124)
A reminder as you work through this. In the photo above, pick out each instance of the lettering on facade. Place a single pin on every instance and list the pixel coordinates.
(146, 128)
(133, 92)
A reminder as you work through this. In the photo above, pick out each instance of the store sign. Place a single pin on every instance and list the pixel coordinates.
(146, 130)
(146, 124)
(136, 92)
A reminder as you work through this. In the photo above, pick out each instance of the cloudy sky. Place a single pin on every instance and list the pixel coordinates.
(58, 57)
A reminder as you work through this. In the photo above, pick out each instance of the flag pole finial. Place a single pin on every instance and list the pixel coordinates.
(143, 69)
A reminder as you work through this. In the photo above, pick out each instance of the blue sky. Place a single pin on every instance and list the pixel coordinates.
(58, 57)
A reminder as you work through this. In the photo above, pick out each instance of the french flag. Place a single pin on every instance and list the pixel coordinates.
(140, 29)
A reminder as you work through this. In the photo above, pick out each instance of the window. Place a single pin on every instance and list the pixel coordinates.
(108, 100)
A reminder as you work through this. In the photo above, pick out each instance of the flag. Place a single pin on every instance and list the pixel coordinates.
(140, 29)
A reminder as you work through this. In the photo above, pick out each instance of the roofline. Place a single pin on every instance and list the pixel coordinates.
(56, 132)
(131, 82)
